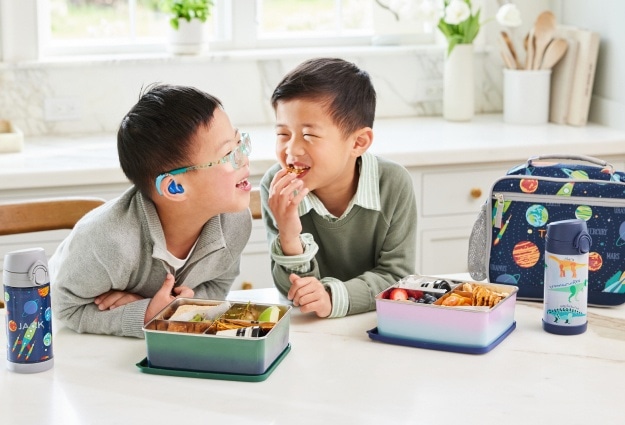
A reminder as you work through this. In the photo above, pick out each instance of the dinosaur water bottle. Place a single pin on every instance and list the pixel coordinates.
(566, 277)
(29, 317)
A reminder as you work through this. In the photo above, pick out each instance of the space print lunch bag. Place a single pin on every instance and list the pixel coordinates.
(507, 243)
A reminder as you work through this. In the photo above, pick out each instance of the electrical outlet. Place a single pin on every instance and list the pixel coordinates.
(62, 109)
(429, 90)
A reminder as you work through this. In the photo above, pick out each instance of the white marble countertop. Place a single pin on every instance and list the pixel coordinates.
(92, 159)
(336, 374)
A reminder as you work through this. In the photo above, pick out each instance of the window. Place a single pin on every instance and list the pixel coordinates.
(79, 27)
(283, 18)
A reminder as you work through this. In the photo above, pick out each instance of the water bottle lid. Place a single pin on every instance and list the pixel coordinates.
(25, 267)
(568, 237)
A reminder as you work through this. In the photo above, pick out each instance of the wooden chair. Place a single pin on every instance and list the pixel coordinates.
(255, 204)
(43, 214)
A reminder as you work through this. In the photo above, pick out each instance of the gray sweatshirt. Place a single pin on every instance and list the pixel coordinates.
(121, 246)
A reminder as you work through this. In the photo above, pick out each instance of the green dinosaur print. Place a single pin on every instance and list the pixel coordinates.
(574, 290)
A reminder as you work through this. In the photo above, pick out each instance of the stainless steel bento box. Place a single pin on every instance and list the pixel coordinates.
(471, 322)
(232, 342)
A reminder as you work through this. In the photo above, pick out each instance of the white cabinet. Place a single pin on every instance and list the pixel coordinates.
(255, 263)
(448, 200)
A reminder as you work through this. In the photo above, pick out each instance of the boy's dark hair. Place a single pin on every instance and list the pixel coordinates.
(347, 89)
(156, 135)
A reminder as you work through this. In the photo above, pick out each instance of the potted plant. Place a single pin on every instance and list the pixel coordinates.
(187, 19)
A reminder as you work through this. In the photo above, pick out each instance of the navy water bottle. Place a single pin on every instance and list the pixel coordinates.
(566, 277)
(29, 316)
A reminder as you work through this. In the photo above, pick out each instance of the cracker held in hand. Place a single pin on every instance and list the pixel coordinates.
(294, 170)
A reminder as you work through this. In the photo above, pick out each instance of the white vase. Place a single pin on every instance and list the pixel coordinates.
(188, 39)
(458, 84)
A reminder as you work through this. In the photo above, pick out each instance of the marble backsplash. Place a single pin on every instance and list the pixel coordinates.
(408, 81)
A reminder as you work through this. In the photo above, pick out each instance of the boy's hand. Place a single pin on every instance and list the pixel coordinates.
(112, 299)
(285, 194)
(165, 295)
(310, 295)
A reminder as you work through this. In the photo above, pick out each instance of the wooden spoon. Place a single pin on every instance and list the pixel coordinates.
(529, 48)
(506, 53)
(544, 29)
(506, 38)
(554, 52)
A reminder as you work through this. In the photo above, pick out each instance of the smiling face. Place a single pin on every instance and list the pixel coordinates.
(311, 145)
(220, 188)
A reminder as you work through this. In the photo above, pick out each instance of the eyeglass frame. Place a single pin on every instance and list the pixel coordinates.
(244, 148)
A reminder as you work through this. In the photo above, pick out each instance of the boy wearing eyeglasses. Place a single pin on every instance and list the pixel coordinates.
(340, 221)
(177, 232)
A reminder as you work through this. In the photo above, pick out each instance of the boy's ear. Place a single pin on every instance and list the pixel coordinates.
(362, 141)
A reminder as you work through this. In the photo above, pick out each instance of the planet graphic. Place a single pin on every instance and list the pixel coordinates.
(594, 261)
(12, 326)
(30, 307)
(621, 235)
(48, 314)
(7, 297)
(583, 212)
(43, 291)
(508, 278)
(536, 215)
(528, 185)
(525, 254)
(47, 339)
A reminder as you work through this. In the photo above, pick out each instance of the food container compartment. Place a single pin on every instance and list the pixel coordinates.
(196, 346)
(467, 326)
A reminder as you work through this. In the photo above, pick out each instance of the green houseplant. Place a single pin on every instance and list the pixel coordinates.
(187, 10)
(187, 19)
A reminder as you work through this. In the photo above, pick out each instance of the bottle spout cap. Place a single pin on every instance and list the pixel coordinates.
(568, 237)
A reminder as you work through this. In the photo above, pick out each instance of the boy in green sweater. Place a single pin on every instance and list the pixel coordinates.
(341, 222)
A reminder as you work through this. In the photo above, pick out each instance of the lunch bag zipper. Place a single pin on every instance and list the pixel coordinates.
(502, 197)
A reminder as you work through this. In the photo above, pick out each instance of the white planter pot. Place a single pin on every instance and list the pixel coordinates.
(188, 39)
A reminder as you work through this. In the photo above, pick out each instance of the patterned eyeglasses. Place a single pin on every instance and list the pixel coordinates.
(236, 158)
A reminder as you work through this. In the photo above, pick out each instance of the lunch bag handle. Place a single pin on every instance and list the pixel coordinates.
(585, 158)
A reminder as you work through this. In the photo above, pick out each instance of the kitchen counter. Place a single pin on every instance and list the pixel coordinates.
(92, 159)
(336, 374)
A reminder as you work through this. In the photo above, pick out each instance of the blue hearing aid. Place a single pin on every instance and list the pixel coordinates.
(175, 188)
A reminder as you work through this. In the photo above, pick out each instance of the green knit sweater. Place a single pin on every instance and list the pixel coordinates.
(366, 250)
